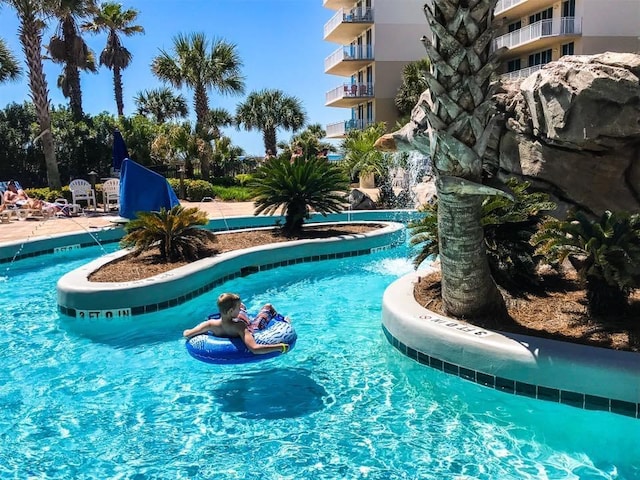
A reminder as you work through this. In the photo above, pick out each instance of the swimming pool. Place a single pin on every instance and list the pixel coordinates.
(343, 404)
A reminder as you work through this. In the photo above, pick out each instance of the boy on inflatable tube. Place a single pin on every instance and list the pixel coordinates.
(234, 322)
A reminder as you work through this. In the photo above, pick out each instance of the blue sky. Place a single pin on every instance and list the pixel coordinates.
(279, 41)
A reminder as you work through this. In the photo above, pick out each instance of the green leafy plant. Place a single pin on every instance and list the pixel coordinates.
(508, 228)
(198, 189)
(604, 252)
(174, 232)
(296, 188)
(233, 194)
(360, 155)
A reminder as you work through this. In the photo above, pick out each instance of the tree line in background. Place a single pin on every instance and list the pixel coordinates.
(155, 135)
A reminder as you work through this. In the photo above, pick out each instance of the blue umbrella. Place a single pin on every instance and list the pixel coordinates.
(119, 152)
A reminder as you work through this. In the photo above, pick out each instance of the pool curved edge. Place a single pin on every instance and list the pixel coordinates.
(85, 300)
(578, 375)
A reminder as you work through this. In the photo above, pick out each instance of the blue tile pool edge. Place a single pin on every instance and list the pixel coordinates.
(581, 376)
(78, 298)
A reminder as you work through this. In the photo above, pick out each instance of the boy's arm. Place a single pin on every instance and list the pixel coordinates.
(247, 337)
(198, 329)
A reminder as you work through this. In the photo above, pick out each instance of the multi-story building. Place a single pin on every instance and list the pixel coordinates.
(377, 39)
(540, 31)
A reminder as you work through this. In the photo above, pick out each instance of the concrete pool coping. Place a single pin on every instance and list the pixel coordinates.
(404, 327)
(95, 301)
(587, 377)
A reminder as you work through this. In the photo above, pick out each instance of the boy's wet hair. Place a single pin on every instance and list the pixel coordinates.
(227, 301)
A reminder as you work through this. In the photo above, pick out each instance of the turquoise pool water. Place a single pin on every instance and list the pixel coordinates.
(127, 402)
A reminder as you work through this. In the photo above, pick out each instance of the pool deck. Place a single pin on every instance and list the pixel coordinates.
(17, 230)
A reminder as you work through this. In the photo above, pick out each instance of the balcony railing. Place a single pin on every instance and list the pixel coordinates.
(350, 90)
(502, 5)
(352, 15)
(349, 52)
(340, 129)
(523, 73)
(544, 28)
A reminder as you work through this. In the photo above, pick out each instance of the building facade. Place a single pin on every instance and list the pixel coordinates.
(541, 31)
(376, 39)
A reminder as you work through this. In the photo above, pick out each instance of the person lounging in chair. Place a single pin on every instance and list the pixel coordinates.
(18, 197)
(14, 195)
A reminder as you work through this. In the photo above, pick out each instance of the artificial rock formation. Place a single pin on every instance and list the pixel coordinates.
(573, 130)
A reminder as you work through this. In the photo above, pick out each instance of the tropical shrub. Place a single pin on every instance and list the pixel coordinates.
(604, 252)
(233, 194)
(360, 155)
(174, 232)
(198, 189)
(49, 195)
(508, 228)
(297, 188)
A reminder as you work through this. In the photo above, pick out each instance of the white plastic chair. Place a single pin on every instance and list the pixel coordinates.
(111, 193)
(81, 191)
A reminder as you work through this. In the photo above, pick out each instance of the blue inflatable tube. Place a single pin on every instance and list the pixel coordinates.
(208, 348)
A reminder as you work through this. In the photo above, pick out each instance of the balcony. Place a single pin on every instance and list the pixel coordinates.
(336, 4)
(520, 40)
(520, 74)
(512, 9)
(347, 24)
(349, 95)
(348, 59)
(340, 129)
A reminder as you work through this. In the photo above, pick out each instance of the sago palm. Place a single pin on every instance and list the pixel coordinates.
(296, 188)
(508, 228)
(31, 15)
(176, 233)
(111, 18)
(605, 253)
(268, 110)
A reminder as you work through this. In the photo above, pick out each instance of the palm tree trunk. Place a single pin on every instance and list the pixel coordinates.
(71, 72)
(117, 88)
(468, 290)
(31, 39)
(201, 106)
(269, 139)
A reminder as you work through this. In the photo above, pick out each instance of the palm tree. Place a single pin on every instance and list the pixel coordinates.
(115, 21)
(361, 157)
(9, 66)
(296, 188)
(161, 104)
(67, 47)
(174, 232)
(268, 110)
(455, 129)
(413, 84)
(310, 139)
(200, 65)
(30, 14)
(65, 85)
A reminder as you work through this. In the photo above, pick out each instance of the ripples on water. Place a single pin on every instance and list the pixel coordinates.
(344, 404)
